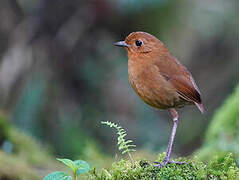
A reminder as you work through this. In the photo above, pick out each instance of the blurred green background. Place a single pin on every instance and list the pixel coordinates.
(60, 74)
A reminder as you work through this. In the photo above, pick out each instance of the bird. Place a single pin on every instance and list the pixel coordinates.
(159, 79)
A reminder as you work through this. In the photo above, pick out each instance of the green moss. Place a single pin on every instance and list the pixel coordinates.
(222, 135)
(24, 158)
(22, 144)
(25, 146)
(13, 167)
(226, 119)
(217, 168)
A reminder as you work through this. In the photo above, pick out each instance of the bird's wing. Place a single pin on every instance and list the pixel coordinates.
(186, 88)
(181, 79)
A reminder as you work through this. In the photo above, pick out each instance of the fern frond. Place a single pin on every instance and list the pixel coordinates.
(124, 145)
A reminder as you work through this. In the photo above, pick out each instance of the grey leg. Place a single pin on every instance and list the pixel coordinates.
(171, 140)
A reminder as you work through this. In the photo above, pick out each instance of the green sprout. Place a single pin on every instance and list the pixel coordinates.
(125, 146)
(78, 167)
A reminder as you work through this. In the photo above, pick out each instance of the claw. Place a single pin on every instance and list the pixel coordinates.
(158, 164)
(177, 162)
(167, 161)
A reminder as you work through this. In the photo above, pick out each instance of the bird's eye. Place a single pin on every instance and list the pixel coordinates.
(138, 43)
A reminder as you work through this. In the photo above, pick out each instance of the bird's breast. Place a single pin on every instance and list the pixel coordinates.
(151, 86)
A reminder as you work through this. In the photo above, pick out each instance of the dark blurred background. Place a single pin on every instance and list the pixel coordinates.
(60, 74)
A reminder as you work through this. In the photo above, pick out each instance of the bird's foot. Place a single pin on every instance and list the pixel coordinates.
(167, 161)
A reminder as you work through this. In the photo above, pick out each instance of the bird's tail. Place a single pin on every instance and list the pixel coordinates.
(200, 107)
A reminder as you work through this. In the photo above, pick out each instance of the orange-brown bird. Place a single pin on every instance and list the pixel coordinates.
(159, 79)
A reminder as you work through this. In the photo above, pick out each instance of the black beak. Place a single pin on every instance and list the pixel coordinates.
(121, 44)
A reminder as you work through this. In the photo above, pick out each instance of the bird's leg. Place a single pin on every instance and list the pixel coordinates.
(171, 140)
(174, 114)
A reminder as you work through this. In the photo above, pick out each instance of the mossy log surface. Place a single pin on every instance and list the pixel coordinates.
(217, 168)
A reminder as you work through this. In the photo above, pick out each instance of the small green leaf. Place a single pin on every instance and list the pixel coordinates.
(82, 167)
(58, 176)
(128, 141)
(68, 162)
(125, 151)
(121, 130)
(131, 146)
(107, 173)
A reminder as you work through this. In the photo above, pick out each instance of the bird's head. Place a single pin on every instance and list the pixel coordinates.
(141, 43)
